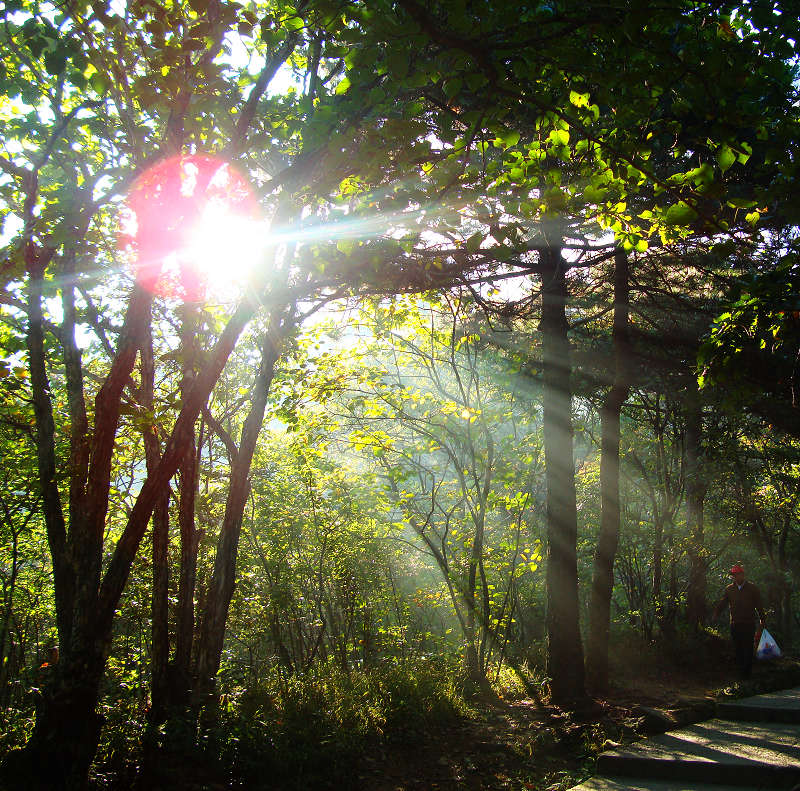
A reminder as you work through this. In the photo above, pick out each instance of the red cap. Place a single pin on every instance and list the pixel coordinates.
(737, 569)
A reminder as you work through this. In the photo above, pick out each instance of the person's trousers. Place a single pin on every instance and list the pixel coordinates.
(743, 635)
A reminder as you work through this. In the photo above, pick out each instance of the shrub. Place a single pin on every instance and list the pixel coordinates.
(311, 730)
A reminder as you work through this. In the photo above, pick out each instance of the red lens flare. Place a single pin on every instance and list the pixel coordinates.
(166, 203)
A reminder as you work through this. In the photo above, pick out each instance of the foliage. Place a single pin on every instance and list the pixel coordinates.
(318, 729)
(413, 163)
(752, 348)
(351, 710)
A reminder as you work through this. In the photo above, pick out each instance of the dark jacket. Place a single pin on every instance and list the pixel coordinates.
(743, 603)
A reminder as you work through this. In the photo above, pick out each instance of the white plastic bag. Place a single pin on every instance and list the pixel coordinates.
(767, 647)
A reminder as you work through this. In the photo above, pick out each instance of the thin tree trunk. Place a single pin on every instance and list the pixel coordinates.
(608, 539)
(474, 665)
(695, 496)
(564, 648)
(672, 600)
(63, 578)
(159, 602)
(8, 595)
(188, 477)
(785, 581)
(658, 521)
(220, 591)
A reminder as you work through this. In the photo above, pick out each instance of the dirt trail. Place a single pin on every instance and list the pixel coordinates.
(521, 746)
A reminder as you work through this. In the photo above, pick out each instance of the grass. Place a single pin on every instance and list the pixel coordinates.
(417, 725)
(315, 731)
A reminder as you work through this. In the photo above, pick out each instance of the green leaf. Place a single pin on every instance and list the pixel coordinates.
(680, 214)
(579, 99)
(343, 86)
(555, 199)
(475, 81)
(55, 61)
(745, 153)
(594, 194)
(99, 82)
(452, 88)
(346, 246)
(474, 242)
(397, 63)
(741, 203)
(293, 23)
(725, 157)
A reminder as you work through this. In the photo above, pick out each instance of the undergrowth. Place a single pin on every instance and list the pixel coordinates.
(313, 730)
(307, 731)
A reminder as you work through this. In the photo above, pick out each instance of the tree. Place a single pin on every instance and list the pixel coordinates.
(63, 200)
(611, 410)
(136, 98)
(587, 112)
(170, 86)
(444, 432)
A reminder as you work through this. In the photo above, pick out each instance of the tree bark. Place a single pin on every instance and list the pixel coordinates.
(63, 578)
(63, 744)
(221, 587)
(564, 648)
(65, 737)
(190, 539)
(64, 740)
(785, 581)
(608, 539)
(159, 601)
(695, 496)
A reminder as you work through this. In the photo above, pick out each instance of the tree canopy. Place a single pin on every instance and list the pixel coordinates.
(346, 332)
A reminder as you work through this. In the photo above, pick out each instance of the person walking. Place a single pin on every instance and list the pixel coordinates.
(744, 600)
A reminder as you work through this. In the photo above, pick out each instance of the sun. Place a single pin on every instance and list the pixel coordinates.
(191, 226)
(226, 248)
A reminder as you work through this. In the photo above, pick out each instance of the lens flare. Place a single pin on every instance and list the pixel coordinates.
(190, 225)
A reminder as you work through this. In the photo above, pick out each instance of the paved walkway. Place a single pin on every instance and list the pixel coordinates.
(753, 744)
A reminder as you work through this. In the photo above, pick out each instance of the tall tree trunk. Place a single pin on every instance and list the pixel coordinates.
(564, 648)
(695, 496)
(188, 477)
(658, 521)
(671, 609)
(658, 567)
(65, 736)
(64, 740)
(785, 578)
(608, 539)
(52, 509)
(159, 602)
(159, 610)
(9, 589)
(477, 509)
(220, 590)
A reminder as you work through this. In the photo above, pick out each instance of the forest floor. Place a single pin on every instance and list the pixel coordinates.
(520, 744)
